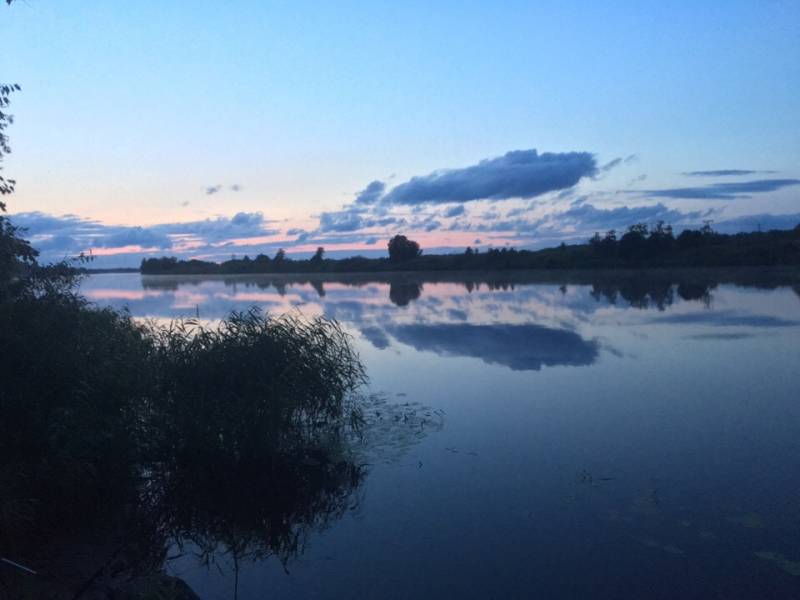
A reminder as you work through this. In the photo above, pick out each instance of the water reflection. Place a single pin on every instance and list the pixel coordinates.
(402, 293)
(518, 347)
(608, 436)
(518, 321)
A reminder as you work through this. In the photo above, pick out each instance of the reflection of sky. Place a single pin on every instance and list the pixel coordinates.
(518, 325)
(685, 415)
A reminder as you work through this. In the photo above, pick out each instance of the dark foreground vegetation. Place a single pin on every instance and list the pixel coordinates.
(122, 442)
(639, 247)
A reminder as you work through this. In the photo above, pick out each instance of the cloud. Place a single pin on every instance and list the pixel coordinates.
(517, 174)
(370, 194)
(454, 211)
(637, 179)
(725, 173)
(353, 218)
(376, 336)
(241, 225)
(582, 219)
(724, 191)
(344, 220)
(611, 164)
(518, 347)
(589, 216)
(763, 221)
(215, 189)
(727, 318)
(56, 236)
(135, 236)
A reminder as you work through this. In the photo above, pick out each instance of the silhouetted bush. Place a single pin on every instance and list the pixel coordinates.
(403, 249)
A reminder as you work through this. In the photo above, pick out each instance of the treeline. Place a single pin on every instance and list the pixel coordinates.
(639, 246)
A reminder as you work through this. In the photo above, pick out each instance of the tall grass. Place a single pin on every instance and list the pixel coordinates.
(235, 437)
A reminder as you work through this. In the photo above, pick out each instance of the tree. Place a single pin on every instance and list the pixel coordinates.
(401, 249)
(318, 255)
(16, 254)
(280, 256)
(633, 243)
(6, 185)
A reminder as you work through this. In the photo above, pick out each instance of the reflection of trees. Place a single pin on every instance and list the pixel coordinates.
(402, 293)
(655, 293)
(318, 287)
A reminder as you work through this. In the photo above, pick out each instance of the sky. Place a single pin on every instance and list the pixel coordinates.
(218, 129)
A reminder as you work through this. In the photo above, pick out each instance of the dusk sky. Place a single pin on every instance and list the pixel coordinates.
(210, 129)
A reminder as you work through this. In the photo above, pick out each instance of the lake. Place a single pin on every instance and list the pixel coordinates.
(599, 436)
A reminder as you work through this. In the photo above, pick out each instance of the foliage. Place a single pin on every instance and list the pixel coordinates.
(639, 246)
(403, 249)
(6, 185)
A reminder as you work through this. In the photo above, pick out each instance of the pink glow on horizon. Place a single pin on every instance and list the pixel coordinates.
(120, 250)
(112, 294)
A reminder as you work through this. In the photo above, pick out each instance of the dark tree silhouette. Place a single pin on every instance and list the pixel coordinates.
(6, 185)
(401, 248)
(319, 255)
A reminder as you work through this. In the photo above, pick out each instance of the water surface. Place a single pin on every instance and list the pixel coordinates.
(606, 437)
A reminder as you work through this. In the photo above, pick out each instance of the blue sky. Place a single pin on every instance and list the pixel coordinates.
(131, 113)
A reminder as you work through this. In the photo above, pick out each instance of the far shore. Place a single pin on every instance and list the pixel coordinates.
(784, 274)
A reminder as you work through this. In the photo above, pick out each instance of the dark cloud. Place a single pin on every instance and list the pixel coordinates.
(727, 318)
(57, 236)
(724, 191)
(454, 211)
(588, 216)
(517, 174)
(241, 225)
(376, 336)
(344, 220)
(726, 173)
(353, 218)
(215, 189)
(581, 219)
(370, 194)
(135, 236)
(518, 347)
(764, 222)
(611, 164)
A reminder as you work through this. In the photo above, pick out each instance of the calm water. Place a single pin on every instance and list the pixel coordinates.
(610, 439)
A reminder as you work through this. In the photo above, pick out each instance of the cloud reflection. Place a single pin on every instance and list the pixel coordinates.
(518, 347)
